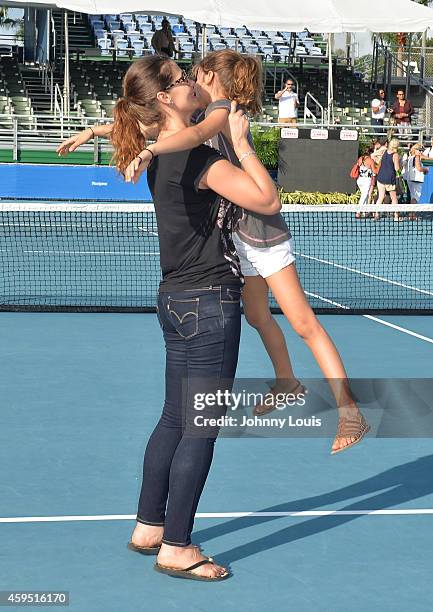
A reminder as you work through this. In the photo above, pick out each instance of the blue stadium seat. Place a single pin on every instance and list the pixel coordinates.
(145, 27)
(105, 45)
(100, 33)
(138, 47)
(118, 35)
(97, 24)
(252, 49)
(268, 50)
(300, 51)
(262, 40)
(113, 25)
(177, 28)
(218, 46)
(315, 51)
(187, 49)
(284, 52)
(134, 36)
(122, 46)
(225, 32)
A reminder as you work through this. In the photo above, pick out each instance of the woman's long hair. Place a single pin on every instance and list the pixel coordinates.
(240, 77)
(139, 107)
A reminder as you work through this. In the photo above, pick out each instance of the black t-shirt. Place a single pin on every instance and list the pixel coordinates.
(190, 240)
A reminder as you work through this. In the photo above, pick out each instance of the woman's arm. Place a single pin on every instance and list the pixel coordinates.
(71, 144)
(396, 160)
(188, 138)
(370, 163)
(250, 187)
(418, 164)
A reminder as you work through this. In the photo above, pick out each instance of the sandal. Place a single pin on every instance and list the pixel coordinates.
(262, 409)
(350, 428)
(188, 572)
(144, 550)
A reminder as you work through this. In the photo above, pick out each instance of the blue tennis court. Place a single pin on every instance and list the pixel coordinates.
(81, 393)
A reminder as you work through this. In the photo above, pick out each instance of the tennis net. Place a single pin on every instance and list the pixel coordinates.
(105, 257)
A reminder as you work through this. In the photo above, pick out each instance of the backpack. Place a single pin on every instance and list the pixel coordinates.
(354, 173)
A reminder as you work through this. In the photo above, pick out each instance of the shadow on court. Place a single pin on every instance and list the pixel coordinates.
(396, 486)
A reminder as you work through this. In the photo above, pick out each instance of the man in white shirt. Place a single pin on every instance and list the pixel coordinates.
(288, 103)
(378, 111)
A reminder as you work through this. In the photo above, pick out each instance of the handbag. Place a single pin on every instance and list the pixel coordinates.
(354, 173)
(400, 185)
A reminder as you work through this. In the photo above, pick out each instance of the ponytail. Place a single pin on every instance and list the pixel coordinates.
(126, 136)
(138, 109)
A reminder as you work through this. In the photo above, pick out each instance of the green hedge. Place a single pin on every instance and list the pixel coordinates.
(305, 197)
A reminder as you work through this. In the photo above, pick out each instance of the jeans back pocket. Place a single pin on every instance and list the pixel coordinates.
(184, 316)
(230, 296)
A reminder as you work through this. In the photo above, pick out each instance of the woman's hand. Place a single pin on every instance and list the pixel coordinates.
(239, 126)
(137, 166)
(71, 144)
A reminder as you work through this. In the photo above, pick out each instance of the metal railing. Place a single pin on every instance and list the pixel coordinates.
(41, 132)
(308, 113)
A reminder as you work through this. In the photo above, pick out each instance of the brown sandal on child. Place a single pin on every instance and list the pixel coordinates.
(350, 428)
(262, 409)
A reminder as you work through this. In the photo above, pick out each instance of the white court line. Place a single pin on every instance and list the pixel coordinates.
(355, 270)
(398, 328)
(376, 319)
(209, 515)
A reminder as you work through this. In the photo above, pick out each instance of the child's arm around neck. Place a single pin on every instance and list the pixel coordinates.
(188, 138)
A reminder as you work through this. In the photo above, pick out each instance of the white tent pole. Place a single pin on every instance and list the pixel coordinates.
(203, 40)
(66, 73)
(330, 80)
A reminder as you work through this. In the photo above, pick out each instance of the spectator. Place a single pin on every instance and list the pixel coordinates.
(378, 111)
(402, 111)
(379, 148)
(288, 103)
(367, 171)
(162, 40)
(387, 176)
(415, 174)
(428, 152)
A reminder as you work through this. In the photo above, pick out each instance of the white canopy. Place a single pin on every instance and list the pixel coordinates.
(284, 15)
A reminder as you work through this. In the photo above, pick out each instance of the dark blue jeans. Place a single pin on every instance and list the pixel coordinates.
(201, 329)
(378, 126)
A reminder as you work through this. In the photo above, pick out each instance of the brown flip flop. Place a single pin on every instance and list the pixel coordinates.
(187, 573)
(144, 550)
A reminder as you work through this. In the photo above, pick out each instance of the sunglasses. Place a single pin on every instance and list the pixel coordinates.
(184, 78)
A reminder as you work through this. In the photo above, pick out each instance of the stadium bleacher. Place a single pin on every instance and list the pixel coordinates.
(95, 84)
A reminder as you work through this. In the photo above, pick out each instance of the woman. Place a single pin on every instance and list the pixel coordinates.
(415, 173)
(367, 171)
(387, 176)
(198, 301)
